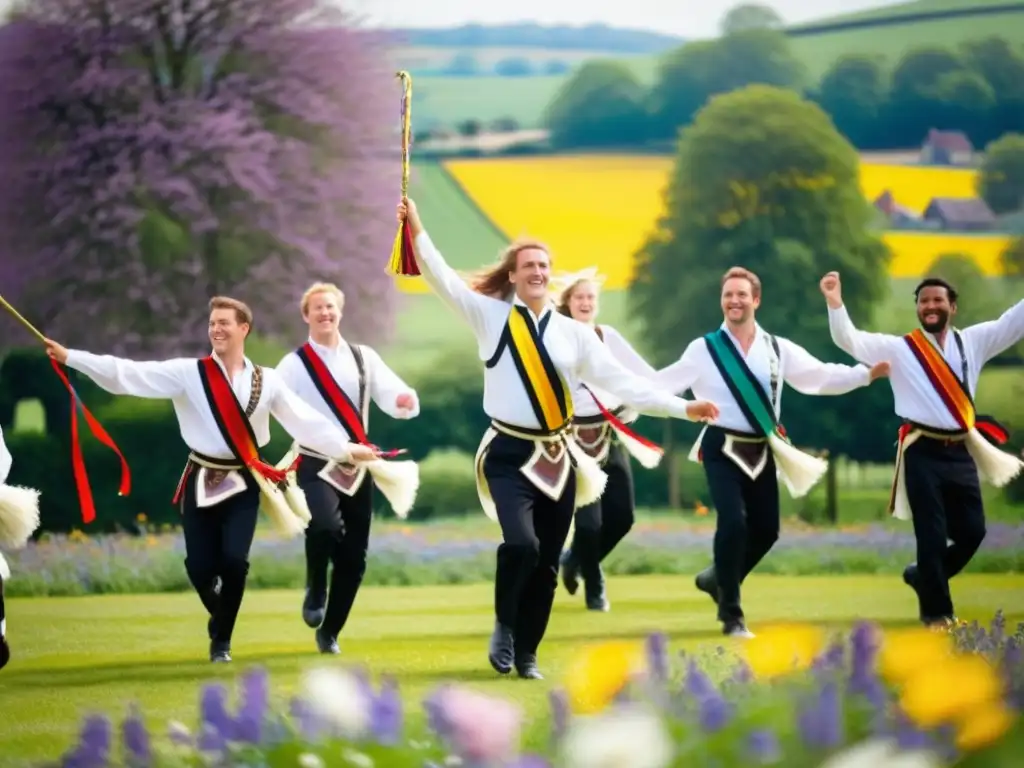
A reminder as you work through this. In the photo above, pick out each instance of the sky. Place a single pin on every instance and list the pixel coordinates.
(685, 18)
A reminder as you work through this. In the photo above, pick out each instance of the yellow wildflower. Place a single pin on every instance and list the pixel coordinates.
(984, 726)
(599, 672)
(907, 652)
(958, 685)
(782, 648)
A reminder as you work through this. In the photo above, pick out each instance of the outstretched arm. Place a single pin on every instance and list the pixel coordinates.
(990, 338)
(597, 365)
(392, 395)
(304, 423)
(5, 459)
(682, 374)
(864, 347)
(623, 351)
(806, 373)
(154, 379)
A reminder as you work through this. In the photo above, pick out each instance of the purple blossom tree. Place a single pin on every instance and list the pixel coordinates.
(155, 153)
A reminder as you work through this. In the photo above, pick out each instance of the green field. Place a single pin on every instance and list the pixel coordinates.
(96, 654)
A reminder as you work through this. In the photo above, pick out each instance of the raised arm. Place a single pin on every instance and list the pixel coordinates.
(392, 395)
(806, 373)
(623, 351)
(5, 459)
(864, 347)
(682, 374)
(305, 425)
(990, 338)
(596, 364)
(154, 379)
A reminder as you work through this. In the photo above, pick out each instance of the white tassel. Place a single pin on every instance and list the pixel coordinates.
(275, 506)
(296, 499)
(19, 515)
(590, 478)
(995, 467)
(5, 574)
(800, 471)
(398, 481)
(648, 457)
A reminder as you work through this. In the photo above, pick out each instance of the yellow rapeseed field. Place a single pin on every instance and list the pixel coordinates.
(599, 209)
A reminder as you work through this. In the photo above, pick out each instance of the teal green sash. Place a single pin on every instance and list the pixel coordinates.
(745, 388)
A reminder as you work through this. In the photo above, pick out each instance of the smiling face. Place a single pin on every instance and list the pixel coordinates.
(531, 275)
(583, 305)
(227, 334)
(738, 300)
(934, 309)
(323, 313)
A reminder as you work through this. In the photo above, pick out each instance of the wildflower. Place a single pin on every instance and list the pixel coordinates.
(135, 739)
(882, 753)
(477, 727)
(764, 747)
(715, 712)
(627, 737)
(179, 734)
(386, 713)
(938, 694)
(600, 672)
(657, 656)
(781, 649)
(984, 726)
(309, 760)
(255, 702)
(94, 742)
(904, 653)
(214, 710)
(820, 721)
(559, 714)
(337, 699)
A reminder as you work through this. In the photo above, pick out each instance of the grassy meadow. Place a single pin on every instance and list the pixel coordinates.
(88, 655)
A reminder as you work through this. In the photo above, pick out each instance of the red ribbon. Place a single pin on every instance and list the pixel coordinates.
(620, 426)
(78, 462)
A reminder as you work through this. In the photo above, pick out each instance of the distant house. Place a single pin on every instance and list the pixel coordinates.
(895, 213)
(960, 214)
(947, 148)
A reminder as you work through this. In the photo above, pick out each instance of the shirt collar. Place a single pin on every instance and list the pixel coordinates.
(519, 302)
(246, 363)
(322, 348)
(758, 332)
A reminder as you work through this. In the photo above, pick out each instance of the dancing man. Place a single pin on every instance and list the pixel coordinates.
(223, 403)
(942, 447)
(741, 366)
(338, 379)
(603, 523)
(534, 358)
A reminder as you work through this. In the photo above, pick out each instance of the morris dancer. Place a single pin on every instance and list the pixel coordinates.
(942, 447)
(741, 366)
(602, 524)
(338, 379)
(19, 517)
(219, 502)
(534, 357)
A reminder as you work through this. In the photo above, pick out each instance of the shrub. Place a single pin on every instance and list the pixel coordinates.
(447, 486)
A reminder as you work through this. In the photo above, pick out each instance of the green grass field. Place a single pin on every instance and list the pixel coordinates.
(97, 654)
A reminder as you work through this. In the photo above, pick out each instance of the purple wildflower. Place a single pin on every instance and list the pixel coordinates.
(764, 746)
(214, 710)
(386, 713)
(657, 656)
(715, 712)
(696, 682)
(821, 721)
(529, 761)
(135, 740)
(211, 740)
(742, 673)
(308, 724)
(253, 711)
(94, 744)
(437, 721)
(559, 714)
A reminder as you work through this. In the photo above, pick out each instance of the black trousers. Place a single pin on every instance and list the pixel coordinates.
(217, 544)
(3, 614)
(338, 534)
(534, 529)
(600, 526)
(747, 519)
(945, 502)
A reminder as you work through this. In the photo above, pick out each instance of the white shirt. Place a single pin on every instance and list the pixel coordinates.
(914, 397)
(797, 367)
(574, 349)
(178, 380)
(383, 385)
(6, 460)
(583, 403)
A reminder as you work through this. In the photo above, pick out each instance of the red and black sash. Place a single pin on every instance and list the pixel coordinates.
(234, 424)
(345, 411)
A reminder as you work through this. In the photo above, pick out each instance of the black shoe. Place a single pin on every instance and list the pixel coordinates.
(736, 628)
(707, 583)
(570, 572)
(526, 668)
(5, 652)
(597, 598)
(502, 651)
(220, 653)
(313, 609)
(326, 644)
(910, 576)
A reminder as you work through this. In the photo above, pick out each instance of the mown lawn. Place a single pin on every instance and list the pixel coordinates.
(96, 654)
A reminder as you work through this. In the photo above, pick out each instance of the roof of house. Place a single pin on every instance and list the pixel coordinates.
(965, 210)
(887, 204)
(952, 141)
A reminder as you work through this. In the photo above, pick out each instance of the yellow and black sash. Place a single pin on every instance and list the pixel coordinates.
(549, 395)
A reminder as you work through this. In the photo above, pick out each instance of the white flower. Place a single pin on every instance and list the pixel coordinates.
(309, 760)
(357, 758)
(882, 753)
(337, 698)
(624, 737)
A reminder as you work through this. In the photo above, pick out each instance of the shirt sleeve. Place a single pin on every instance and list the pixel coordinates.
(682, 374)
(596, 364)
(386, 386)
(988, 339)
(806, 373)
(158, 379)
(6, 460)
(623, 351)
(450, 287)
(288, 369)
(862, 346)
(306, 425)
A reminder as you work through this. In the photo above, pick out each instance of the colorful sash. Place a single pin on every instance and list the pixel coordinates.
(548, 393)
(745, 388)
(345, 411)
(233, 422)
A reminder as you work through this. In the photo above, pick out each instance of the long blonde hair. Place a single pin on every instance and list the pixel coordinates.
(565, 284)
(493, 281)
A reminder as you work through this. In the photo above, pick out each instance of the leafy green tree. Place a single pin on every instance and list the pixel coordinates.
(740, 18)
(1001, 180)
(854, 92)
(972, 287)
(602, 104)
(1002, 67)
(762, 179)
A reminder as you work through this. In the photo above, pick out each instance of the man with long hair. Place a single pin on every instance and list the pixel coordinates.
(745, 453)
(944, 444)
(223, 403)
(530, 474)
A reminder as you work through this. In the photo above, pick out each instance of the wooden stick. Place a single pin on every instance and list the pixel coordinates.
(17, 315)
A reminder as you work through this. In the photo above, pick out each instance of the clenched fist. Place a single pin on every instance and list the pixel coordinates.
(832, 289)
(702, 410)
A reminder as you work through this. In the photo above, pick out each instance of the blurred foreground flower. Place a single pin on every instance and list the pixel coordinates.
(599, 672)
(337, 698)
(782, 648)
(479, 729)
(625, 736)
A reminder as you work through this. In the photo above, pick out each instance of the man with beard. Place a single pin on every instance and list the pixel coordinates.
(742, 367)
(942, 447)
